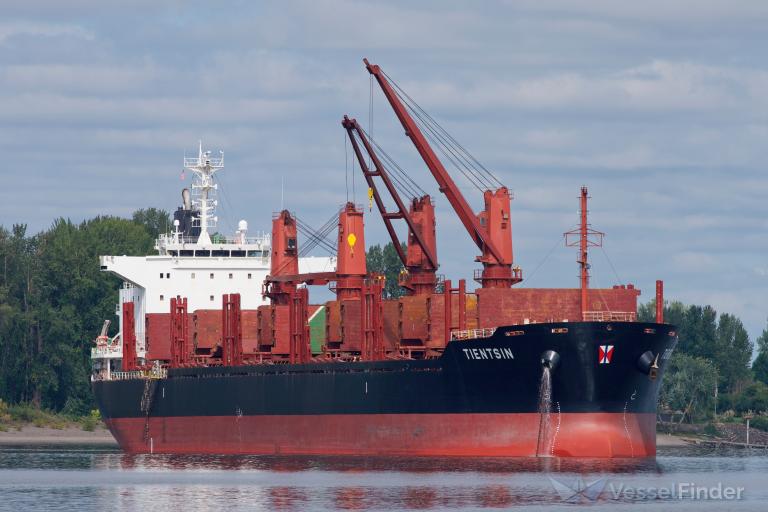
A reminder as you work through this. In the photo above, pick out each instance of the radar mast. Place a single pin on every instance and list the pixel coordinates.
(204, 166)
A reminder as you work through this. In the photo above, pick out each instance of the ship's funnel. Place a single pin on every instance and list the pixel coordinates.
(550, 359)
(648, 364)
(186, 199)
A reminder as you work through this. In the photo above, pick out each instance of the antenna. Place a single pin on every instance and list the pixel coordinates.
(204, 189)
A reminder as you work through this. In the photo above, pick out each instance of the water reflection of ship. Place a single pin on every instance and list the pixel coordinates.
(357, 483)
(373, 465)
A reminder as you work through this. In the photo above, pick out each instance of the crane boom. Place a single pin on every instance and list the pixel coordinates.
(444, 180)
(490, 230)
(417, 227)
(353, 127)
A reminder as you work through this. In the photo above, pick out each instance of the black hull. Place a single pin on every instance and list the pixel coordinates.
(497, 376)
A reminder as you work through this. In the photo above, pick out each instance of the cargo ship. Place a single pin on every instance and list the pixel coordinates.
(502, 371)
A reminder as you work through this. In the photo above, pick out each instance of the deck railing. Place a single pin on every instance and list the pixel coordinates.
(107, 351)
(154, 373)
(471, 334)
(609, 316)
(261, 238)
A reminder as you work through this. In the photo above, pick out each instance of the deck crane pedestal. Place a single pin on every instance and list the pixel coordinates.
(282, 325)
(354, 325)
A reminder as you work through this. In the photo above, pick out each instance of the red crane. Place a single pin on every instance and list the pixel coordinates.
(491, 229)
(352, 283)
(420, 258)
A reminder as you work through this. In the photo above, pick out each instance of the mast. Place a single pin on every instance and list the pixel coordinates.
(588, 237)
(204, 189)
(584, 265)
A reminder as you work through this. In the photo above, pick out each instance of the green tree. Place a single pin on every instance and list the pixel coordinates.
(674, 312)
(732, 353)
(17, 324)
(385, 261)
(689, 386)
(155, 221)
(760, 364)
(721, 340)
(753, 398)
(53, 300)
(698, 332)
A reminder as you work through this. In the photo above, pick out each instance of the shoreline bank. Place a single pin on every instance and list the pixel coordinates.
(30, 434)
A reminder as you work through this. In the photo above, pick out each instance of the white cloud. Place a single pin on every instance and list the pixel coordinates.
(660, 11)
(660, 87)
(338, 24)
(10, 29)
(549, 139)
(78, 78)
(698, 262)
(62, 109)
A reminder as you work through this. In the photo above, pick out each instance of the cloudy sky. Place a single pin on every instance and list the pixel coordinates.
(659, 107)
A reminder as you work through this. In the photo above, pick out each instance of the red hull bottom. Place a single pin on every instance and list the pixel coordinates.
(489, 435)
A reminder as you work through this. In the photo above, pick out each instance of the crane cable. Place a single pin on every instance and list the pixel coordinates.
(474, 171)
(402, 181)
(467, 156)
(346, 166)
(315, 236)
(453, 154)
(319, 234)
(542, 261)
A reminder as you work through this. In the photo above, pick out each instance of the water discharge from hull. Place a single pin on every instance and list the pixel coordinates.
(544, 446)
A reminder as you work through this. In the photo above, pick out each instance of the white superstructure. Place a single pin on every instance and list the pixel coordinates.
(194, 262)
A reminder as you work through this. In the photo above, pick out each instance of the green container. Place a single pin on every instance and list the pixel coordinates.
(317, 330)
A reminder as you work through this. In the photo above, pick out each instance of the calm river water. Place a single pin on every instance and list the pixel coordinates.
(87, 478)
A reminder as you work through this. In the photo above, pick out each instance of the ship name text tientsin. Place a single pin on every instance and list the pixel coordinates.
(488, 353)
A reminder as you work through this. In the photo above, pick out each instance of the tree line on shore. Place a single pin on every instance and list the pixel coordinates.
(711, 370)
(54, 299)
